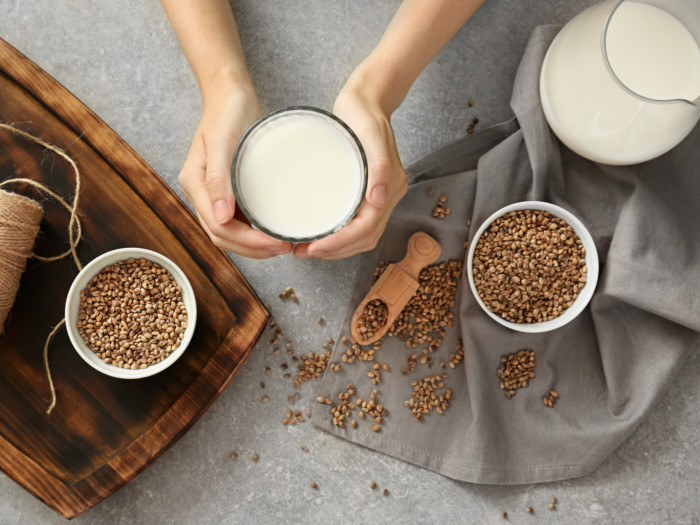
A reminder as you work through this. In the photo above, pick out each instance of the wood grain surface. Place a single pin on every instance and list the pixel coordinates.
(103, 431)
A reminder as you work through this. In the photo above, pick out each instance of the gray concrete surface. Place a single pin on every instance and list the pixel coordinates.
(123, 61)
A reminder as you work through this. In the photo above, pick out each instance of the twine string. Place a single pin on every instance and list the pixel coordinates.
(74, 234)
(74, 226)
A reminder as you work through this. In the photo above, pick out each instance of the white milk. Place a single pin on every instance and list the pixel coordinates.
(652, 53)
(300, 175)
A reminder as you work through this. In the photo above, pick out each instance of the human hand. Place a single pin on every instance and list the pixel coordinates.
(386, 183)
(206, 175)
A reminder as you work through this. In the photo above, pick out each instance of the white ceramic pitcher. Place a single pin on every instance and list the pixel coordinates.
(620, 83)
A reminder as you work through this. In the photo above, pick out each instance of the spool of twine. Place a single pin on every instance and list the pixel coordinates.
(19, 225)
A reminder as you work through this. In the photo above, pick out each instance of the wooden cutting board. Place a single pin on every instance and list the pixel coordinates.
(103, 431)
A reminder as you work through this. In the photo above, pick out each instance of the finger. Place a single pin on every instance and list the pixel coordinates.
(234, 236)
(218, 179)
(359, 235)
(382, 159)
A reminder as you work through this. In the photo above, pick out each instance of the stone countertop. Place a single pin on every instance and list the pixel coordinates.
(124, 62)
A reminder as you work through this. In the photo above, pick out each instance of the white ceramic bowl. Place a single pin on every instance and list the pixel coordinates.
(591, 257)
(73, 307)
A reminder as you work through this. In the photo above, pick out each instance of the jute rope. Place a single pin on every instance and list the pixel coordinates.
(19, 225)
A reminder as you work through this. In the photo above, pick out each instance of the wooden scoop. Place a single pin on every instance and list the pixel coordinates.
(397, 284)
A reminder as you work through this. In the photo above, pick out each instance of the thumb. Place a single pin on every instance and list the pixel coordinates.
(382, 160)
(218, 182)
(379, 176)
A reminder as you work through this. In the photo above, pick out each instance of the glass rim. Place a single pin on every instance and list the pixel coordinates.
(357, 146)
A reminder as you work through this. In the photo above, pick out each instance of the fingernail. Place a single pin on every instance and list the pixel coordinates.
(222, 212)
(378, 196)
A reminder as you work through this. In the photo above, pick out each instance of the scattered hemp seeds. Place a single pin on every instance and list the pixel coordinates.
(344, 408)
(373, 318)
(551, 399)
(441, 209)
(375, 374)
(343, 411)
(458, 356)
(412, 363)
(425, 396)
(288, 294)
(372, 408)
(516, 370)
(529, 266)
(132, 314)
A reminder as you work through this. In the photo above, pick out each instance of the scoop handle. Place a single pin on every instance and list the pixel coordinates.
(421, 250)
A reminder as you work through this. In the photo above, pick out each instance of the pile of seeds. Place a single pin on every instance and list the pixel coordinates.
(357, 351)
(529, 266)
(516, 370)
(426, 397)
(132, 314)
(429, 311)
(312, 366)
(373, 318)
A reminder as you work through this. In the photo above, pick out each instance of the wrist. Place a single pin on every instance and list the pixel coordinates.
(376, 82)
(224, 81)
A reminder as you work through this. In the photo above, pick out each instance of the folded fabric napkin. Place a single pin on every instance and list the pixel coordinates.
(608, 366)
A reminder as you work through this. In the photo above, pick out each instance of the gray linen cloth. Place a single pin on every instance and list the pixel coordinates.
(608, 366)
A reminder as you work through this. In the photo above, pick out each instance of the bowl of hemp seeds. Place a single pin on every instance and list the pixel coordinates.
(130, 313)
(532, 266)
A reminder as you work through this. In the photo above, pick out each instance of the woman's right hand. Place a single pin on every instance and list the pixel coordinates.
(206, 174)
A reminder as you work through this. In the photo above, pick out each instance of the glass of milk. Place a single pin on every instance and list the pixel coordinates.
(620, 83)
(299, 174)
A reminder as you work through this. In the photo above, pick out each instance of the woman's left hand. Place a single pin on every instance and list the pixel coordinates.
(386, 183)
